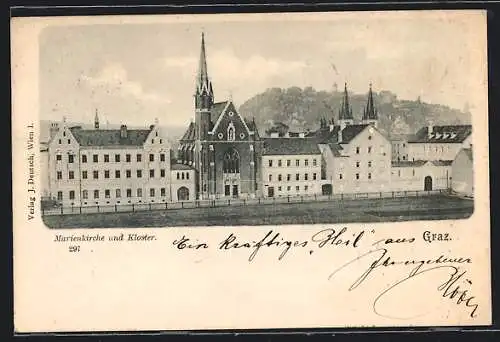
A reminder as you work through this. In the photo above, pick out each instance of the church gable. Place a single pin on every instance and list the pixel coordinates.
(230, 126)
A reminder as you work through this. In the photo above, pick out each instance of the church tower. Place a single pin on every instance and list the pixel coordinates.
(370, 114)
(345, 111)
(204, 96)
(96, 120)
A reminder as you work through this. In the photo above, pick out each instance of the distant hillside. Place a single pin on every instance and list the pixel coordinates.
(302, 109)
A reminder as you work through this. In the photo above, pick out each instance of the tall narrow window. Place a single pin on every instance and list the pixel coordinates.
(71, 158)
(231, 162)
(85, 194)
(230, 132)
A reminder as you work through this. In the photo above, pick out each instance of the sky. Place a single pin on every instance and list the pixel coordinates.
(132, 73)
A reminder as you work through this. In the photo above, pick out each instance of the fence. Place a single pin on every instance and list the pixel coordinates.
(211, 203)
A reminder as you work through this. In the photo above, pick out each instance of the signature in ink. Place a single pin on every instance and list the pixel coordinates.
(456, 287)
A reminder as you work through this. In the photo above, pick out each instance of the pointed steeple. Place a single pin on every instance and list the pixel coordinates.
(204, 91)
(370, 113)
(202, 67)
(345, 111)
(96, 120)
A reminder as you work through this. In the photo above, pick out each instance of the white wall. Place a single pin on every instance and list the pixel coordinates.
(292, 187)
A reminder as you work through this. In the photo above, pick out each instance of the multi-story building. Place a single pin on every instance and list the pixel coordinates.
(221, 145)
(430, 154)
(439, 142)
(89, 167)
(356, 156)
(291, 167)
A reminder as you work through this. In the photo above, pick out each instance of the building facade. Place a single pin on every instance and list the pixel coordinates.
(223, 147)
(92, 167)
(291, 167)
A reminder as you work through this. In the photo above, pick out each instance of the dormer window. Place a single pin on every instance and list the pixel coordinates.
(230, 132)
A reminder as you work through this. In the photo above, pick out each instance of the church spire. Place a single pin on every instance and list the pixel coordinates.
(370, 114)
(345, 111)
(96, 120)
(204, 90)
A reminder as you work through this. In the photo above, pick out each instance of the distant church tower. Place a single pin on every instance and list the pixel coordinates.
(345, 111)
(370, 114)
(96, 120)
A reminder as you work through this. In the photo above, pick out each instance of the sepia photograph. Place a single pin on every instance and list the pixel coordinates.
(250, 171)
(209, 124)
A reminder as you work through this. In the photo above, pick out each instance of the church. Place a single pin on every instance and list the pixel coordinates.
(220, 145)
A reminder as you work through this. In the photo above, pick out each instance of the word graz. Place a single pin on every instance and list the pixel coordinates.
(323, 238)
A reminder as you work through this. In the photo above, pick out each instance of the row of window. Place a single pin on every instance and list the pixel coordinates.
(297, 177)
(117, 158)
(128, 174)
(369, 164)
(369, 149)
(289, 162)
(107, 193)
(289, 188)
(369, 176)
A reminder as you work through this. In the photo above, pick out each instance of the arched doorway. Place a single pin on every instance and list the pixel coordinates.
(183, 194)
(326, 189)
(428, 183)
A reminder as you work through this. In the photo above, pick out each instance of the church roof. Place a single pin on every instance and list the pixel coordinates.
(217, 109)
(190, 133)
(442, 134)
(109, 137)
(290, 146)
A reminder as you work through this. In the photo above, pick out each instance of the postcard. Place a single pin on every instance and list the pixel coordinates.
(250, 171)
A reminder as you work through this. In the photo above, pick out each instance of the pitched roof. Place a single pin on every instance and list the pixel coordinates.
(442, 134)
(109, 137)
(336, 148)
(351, 131)
(325, 136)
(190, 133)
(290, 146)
(216, 110)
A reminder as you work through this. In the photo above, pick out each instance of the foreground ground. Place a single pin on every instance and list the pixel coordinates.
(347, 211)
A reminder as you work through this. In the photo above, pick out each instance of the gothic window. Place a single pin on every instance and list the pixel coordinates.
(231, 162)
(230, 132)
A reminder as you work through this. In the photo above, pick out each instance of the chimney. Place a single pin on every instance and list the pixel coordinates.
(123, 132)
